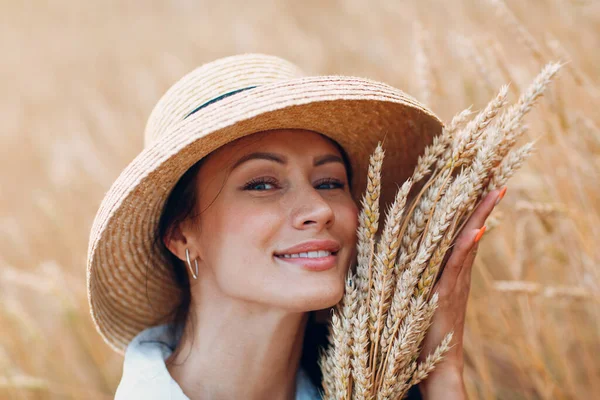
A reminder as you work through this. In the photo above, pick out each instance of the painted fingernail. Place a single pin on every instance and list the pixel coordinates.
(501, 195)
(480, 233)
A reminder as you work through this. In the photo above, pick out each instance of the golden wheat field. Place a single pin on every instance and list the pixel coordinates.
(80, 78)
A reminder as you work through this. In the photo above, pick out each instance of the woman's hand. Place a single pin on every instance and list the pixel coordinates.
(446, 380)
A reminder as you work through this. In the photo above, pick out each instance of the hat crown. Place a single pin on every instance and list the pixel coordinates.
(212, 81)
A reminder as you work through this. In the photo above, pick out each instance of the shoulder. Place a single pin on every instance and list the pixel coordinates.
(145, 374)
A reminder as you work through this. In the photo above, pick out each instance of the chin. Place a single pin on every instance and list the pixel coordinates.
(322, 295)
(309, 290)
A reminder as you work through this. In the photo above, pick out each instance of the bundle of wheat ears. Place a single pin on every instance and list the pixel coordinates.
(378, 327)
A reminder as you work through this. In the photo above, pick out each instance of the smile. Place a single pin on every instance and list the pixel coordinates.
(321, 260)
(309, 254)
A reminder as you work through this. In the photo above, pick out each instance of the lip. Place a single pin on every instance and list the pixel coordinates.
(312, 264)
(312, 245)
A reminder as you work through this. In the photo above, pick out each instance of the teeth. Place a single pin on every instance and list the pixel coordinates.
(310, 254)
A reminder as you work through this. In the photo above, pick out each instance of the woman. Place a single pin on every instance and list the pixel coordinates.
(215, 247)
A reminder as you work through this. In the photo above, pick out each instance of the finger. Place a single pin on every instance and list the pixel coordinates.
(464, 276)
(484, 209)
(461, 250)
(474, 229)
(466, 240)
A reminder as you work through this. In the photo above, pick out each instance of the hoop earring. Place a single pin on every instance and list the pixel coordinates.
(187, 256)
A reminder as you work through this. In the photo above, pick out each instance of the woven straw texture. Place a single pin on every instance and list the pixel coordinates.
(130, 286)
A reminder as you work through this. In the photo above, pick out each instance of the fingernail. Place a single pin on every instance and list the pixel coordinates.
(501, 195)
(480, 233)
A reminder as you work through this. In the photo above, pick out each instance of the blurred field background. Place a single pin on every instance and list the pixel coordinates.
(79, 79)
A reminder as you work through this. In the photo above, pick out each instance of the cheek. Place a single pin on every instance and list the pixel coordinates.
(349, 226)
(239, 247)
(239, 238)
(252, 228)
(348, 220)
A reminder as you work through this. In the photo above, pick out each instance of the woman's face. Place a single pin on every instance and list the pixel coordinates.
(267, 195)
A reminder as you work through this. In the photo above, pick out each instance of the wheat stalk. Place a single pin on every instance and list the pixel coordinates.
(549, 291)
(521, 32)
(423, 70)
(542, 208)
(378, 327)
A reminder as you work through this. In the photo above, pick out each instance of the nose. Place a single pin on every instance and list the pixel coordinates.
(311, 210)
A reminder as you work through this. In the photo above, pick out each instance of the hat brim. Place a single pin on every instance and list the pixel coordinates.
(130, 285)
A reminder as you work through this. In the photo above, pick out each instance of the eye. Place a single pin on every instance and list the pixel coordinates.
(261, 184)
(330, 183)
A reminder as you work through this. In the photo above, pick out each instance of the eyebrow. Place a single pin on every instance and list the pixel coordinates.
(318, 161)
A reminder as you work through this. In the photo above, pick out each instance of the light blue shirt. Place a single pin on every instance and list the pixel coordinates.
(145, 374)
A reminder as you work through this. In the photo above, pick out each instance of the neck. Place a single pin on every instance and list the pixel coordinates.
(235, 350)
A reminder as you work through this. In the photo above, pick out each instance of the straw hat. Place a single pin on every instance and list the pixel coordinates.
(129, 282)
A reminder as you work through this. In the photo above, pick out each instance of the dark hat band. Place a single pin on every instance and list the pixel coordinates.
(218, 98)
